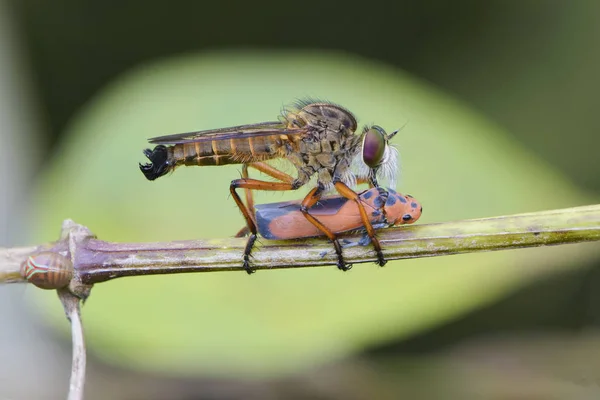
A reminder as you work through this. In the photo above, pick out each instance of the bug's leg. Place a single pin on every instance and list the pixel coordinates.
(350, 194)
(380, 202)
(253, 184)
(310, 200)
(267, 170)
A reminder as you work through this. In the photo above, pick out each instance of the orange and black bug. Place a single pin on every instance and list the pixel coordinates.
(47, 270)
(318, 138)
(385, 207)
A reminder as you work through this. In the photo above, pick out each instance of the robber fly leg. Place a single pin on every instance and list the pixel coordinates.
(247, 192)
(310, 200)
(350, 194)
(243, 232)
(267, 170)
(360, 181)
(249, 204)
(252, 184)
(272, 172)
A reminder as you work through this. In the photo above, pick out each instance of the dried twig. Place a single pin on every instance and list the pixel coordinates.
(71, 304)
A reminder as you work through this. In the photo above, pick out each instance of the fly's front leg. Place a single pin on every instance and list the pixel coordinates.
(360, 181)
(350, 194)
(253, 184)
(310, 200)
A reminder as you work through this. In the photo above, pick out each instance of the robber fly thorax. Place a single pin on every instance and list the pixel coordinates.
(318, 138)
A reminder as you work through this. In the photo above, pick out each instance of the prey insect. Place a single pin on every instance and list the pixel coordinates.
(385, 207)
(317, 138)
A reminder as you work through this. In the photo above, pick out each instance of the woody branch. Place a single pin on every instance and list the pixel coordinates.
(97, 261)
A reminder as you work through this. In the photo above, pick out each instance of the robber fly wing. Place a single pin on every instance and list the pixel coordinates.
(234, 132)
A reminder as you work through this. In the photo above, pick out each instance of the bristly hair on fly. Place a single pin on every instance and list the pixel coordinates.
(300, 103)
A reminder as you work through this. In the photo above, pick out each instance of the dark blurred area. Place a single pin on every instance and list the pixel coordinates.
(531, 66)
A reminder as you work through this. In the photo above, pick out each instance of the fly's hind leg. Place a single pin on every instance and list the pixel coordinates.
(253, 184)
(350, 194)
(249, 204)
(310, 200)
(265, 169)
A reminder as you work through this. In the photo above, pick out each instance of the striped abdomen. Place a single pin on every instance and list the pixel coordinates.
(216, 152)
(227, 151)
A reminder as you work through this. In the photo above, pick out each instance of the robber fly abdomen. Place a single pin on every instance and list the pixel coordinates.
(214, 152)
(232, 151)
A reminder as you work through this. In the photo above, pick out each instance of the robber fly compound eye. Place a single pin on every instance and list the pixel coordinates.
(373, 148)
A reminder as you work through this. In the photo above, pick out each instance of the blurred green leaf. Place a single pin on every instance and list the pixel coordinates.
(455, 162)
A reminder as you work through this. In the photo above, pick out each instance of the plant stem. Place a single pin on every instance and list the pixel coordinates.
(98, 261)
(71, 305)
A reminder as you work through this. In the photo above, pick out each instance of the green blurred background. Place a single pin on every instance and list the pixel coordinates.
(499, 104)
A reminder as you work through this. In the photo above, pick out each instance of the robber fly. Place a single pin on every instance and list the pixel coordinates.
(318, 138)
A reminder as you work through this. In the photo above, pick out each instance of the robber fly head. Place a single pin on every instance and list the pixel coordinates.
(377, 157)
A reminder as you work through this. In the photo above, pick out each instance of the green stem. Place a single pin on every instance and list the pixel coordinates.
(97, 261)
